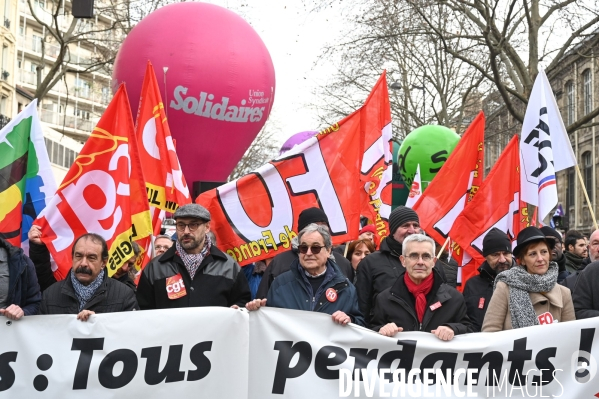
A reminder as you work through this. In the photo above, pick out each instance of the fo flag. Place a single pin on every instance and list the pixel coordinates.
(26, 179)
(544, 148)
(416, 190)
(102, 193)
(344, 170)
(497, 204)
(454, 186)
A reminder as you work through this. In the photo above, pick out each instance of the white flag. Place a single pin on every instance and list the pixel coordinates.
(416, 190)
(543, 135)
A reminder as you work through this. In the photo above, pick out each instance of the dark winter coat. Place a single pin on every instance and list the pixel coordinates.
(282, 262)
(40, 256)
(586, 292)
(219, 281)
(477, 294)
(450, 270)
(377, 272)
(397, 305)
(112, 296)
(292, 290)
(23, 289)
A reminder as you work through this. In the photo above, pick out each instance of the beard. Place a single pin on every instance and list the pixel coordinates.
(503, 266)
(193, 243)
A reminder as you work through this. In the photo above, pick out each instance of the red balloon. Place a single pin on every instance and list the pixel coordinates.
(220, 82)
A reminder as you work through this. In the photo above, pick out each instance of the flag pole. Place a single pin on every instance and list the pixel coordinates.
(443, 247)
(586, 195)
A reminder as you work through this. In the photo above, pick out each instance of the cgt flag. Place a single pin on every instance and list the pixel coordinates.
(496, 204)
(416, 190)
(164, 181)
(26, 179)
(544, 148)
(344, 170)
(102, 193)
(453, 187)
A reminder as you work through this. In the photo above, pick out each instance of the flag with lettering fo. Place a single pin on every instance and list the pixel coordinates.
(415, 190)
(544, 148)
(453, 187)
(496, 204)
(345, 170)
(103, 193)
(26, 180)
(164, 181)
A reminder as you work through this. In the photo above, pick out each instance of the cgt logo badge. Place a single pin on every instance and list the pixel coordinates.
(174, 287)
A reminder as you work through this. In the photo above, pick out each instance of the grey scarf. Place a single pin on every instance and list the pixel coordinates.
(86, 292)
(192, 262)
(520, 283)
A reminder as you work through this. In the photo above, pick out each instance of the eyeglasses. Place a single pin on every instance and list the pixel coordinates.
(315, 249)
(193, 226)
(425, 257)
(162, 246)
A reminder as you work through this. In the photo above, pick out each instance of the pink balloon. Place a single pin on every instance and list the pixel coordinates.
(220, 82)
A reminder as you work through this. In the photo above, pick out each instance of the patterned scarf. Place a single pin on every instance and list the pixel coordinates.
(85, 292)
(521, 283)
(192, 262)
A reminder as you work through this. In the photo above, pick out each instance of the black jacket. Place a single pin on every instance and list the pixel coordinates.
(23, 289)
(282, 262)
(219, 281)
(112, 296)
(450, 270)
(291, 290)
(397, 305)
(477, 294)
(586, 292)
(40, 256)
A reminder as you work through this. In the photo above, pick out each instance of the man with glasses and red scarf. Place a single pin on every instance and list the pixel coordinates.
(314, 282)
(193, 272)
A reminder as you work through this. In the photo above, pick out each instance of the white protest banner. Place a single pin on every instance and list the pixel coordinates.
(176, 353)
(298, 354)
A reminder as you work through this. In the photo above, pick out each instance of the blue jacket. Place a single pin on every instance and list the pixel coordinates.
(23, 289)
(292, 290)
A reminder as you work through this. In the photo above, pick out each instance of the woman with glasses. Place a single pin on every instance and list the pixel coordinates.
(314, 282)
(528, 294)
(420, 300)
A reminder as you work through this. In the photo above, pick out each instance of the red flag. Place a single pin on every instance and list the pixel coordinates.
(345, 170)
(454, 186)
(100, 193)
(166, 187)
(497, 204)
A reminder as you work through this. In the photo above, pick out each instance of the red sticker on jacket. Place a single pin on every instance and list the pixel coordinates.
(435, 305)
(175, 287)
(331, 295)
(481, 303)
(545, 318)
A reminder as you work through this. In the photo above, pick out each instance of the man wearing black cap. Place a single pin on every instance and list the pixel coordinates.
(282, 262)
(379, 270)
(193, 272)
(557, 253)
(497, 250)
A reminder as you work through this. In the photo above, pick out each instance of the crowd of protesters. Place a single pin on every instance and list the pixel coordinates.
(391, 285)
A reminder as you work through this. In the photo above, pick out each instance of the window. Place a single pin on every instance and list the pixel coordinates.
(48, 148)
(83, 88)
(569, 103)
(587, 162)
(36, 45)
(587, 91)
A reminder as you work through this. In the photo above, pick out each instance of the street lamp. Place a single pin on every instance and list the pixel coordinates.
(398, 86)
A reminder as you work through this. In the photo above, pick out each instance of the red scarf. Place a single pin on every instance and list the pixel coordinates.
(420, 291)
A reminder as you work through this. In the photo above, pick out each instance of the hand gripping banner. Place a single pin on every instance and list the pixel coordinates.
(344, 170)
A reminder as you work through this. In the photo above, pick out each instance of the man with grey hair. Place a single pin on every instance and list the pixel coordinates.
(161, 244)
(420, 300)
(193, 272)
(314, 282)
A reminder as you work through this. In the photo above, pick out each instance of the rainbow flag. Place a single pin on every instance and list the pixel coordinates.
(26, 179)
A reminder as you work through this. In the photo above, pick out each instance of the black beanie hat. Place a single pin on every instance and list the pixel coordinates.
(311, 215)
(401, 215)
(495, 241)
(549, 232)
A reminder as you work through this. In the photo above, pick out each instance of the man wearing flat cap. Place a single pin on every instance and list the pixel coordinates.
(193, 272)
(497, 250)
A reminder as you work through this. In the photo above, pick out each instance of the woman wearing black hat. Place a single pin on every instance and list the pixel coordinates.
(528, 294)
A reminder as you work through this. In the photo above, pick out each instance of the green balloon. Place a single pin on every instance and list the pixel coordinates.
(429, 146)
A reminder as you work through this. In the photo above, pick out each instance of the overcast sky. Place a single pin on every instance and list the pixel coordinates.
(294, 37)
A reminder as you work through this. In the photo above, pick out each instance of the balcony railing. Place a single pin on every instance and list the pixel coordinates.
(4, 120)
(43, 14)
(69, 121)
